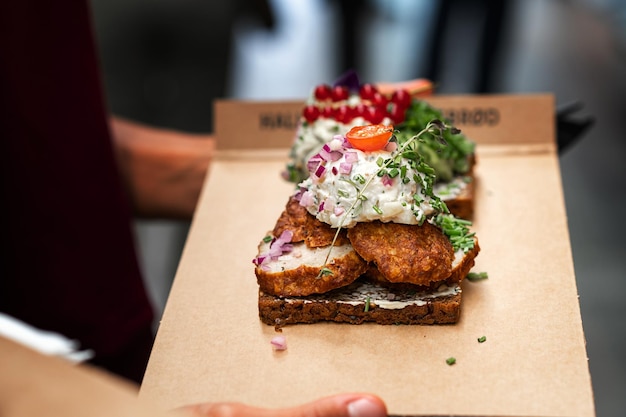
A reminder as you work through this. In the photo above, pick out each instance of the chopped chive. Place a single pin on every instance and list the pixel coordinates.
(377, 209)
(367, 304)
(477, 276)
(481, 339)
(451, 360)
(324, 272)
(267, 239)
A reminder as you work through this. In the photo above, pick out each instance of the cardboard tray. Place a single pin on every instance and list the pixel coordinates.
(211, 345)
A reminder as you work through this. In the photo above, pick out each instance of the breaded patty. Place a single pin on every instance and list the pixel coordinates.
(404, 253)
(461, 266)
(297, 273)
(305, 227)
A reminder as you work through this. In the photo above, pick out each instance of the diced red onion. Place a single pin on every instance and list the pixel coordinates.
(387, 180)
(345, 168)
(314, 162)
(334, 170)
(259, 260)
(306, 199)
(279, 342)
(319, 172)
(328, 154)
(286, 235)
(298, 194)
(351, 157)
(321, 207)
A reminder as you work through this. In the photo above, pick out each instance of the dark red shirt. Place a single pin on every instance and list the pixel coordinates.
(68, 260)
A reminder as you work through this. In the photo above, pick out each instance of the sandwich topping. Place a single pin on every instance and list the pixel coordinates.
(348, 185)
(335, 185)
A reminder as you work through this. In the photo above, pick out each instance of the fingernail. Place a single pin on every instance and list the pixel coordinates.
(364, 407)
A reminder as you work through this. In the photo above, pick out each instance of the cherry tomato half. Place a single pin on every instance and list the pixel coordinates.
(370, 137)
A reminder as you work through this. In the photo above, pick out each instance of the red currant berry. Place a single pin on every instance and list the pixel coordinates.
(328, 112)
(367, 91)
(339, 93)
(344, 114)
(396, 113)
(322, 92)
(379, 100)
(311, 113)
(375, 115)
(360, 110)
(402, 98)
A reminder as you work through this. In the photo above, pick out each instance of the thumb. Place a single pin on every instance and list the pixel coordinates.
(343, 405)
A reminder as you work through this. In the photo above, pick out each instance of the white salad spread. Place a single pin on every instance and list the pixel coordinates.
(346, 188)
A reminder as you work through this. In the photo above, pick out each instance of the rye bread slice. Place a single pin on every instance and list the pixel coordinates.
(363, 302)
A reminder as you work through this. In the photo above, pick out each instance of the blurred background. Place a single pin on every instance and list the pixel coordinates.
(165, 61)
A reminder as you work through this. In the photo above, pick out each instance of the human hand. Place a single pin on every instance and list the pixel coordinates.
(342, 405)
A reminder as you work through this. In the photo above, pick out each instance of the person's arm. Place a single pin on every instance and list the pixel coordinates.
(163, 169)
(33, 384)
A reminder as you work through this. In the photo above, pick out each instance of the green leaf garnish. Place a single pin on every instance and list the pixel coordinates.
(482, 339)
(451, 360)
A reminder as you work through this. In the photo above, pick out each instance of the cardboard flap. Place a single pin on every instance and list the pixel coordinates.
(493, 119)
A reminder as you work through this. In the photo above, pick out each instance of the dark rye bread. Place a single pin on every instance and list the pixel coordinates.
(362, 302)
(462, 205)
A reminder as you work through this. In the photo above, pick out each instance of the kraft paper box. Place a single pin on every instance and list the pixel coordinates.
(211, 345)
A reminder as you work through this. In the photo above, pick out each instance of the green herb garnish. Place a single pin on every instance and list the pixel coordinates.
(451, 360)
(477, 276)
(482, 339)
(457, 231)
(367, 304)
(448, 160)
(325, 271)
(267, 239)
